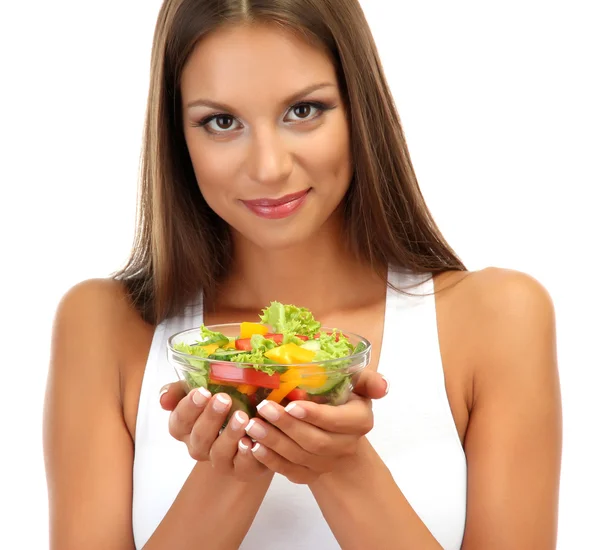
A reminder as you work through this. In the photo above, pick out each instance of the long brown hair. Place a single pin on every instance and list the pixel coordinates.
(181, 246)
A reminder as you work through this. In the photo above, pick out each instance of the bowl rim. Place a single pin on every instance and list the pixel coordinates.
(363, 354)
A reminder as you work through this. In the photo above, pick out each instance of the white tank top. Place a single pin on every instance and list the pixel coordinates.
(414, 434)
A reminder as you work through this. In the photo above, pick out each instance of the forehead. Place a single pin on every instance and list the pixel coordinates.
(253, 61)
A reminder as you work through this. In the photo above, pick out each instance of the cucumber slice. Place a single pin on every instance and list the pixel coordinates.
(312, 345)
(237, 404)
(224, 354)
(332, 381)
(360, 347)
(339, 395)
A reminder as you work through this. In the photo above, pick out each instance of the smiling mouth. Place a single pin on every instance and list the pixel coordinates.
(269, 203)
(279, 208)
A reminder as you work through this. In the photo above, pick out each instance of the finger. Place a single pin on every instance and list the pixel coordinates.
(352, 418)
(371, 385)
(278, 464)
(206, 429)
(276, 440)
(225, 447)
(184, 415)
(311, 439)
(172, 394)
(245, 465)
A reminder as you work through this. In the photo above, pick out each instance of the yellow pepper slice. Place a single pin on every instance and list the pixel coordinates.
(210, 348)
(284, 388)
(290, 354)
(308, 377)
(291, 375)
(313, 377)
(247, 389)
(230, 344)
(248, 329)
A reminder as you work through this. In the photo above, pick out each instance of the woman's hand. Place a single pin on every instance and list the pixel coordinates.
(306, 439)
(196, 420)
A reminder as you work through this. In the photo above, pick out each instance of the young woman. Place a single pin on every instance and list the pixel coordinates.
(275, 168)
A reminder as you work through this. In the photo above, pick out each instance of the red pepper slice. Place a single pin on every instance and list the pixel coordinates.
(243, 344)
(278, 338)
(226, 372)
(297, 395)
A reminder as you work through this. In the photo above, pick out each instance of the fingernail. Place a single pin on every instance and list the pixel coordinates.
(256, 431)
(243, 447)
(268, 410)
(162, 392)
(200, 398)
(387, 384)
(221, 403)
(237, 421)
(296, 410)
(258, 450)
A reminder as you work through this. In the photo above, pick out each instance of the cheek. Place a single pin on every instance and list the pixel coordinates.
(216, 167)
(330, 160)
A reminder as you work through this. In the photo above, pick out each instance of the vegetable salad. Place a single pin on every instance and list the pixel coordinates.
(278, 358)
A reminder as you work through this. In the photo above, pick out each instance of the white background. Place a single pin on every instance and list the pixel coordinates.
(501, 111)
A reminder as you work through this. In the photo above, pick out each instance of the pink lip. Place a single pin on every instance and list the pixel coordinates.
(277, 208)
(276, 202)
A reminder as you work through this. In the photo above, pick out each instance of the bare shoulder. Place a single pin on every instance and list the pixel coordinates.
(500, 302)
(100, 304)
(95, 298)
(511, 311)
(491, 287)
(94, 314)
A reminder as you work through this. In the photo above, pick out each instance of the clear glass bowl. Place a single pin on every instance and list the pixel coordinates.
(325, 382)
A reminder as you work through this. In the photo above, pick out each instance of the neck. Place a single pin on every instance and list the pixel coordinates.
(321, 275)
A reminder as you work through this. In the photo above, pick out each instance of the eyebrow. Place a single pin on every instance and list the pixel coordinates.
(295, 97)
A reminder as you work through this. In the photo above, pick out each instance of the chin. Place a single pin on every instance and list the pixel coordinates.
(275, 238)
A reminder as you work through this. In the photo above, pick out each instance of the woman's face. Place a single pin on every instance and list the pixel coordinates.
(267, 133)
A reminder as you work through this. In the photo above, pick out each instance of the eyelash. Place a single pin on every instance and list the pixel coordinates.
(321, 107)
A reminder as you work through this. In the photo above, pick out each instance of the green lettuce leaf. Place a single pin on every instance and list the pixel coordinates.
(190, 350)
(209, 337)
(260, 345)
(289, 338)
(361, 346)
(198, 377)
(289, 319)
(330, 349)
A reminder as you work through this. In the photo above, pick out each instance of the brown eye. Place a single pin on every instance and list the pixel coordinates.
(224, 122)
(307, 111)
(302, 111)
(219, 124)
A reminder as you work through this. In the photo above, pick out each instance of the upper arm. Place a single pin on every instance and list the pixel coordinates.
(87, 448)
(513, 441)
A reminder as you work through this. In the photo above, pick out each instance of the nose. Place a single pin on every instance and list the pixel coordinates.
(270, 161)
